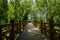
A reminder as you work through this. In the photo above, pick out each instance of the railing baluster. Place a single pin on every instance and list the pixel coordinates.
(20, 27)
(0, 32)
(12, 30)
(51, 30)
(45, 28)
(41, 26)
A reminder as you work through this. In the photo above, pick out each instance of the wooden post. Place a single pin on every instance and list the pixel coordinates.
(41, 26)
(12, 30)
(51, 30)
(20, 27)
(44, 28)
(0, 32)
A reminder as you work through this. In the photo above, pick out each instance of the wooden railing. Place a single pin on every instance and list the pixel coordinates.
(51, 30)
(10, 30)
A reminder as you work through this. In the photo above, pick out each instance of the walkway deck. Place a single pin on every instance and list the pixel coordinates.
(31, 33)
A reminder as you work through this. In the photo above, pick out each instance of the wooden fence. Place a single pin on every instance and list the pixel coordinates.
(51, 30)
(9, 31)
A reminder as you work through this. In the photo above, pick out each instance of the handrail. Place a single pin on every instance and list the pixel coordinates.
(51, 30)
(10, 25)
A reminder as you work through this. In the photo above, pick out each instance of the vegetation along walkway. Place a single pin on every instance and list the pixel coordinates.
(31, 33)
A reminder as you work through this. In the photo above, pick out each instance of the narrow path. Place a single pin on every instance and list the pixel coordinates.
(31, 33)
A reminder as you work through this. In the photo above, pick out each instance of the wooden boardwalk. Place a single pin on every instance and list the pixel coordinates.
(31, 33)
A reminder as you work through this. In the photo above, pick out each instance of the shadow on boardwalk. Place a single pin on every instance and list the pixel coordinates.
(31, 33)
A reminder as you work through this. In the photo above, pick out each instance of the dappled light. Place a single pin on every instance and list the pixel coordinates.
(31, 33)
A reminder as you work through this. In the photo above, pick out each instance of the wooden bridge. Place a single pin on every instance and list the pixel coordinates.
(9, 31)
